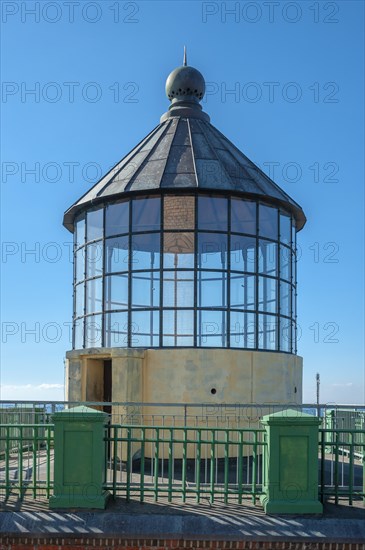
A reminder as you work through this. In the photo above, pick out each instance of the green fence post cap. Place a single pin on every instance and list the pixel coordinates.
(287, 416)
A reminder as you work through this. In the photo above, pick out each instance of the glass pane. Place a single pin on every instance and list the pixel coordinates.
(146, 289)
(212, 213)
(79, 334)
(212, 251)
(268, 222)
(145, 329)
(94, 259)
(285, 262)
(268, 254)
(178, 250)
(94, 224)
(212, 288)
(285, 335)
(243, 216)
(178, 289)
(212, 328)
(146, 214)
(285, 292)
(93, 331)
(178, 328)
(94, 295)
(145, 251)
(117, 219)
(242, 330)
(285, 229)
(116, 292)
(116, 329)
(80, 231)
(79, 300)
(268, 326)
(243, 253)
(267, 295)
(80, 264)
(179, 212)
(242, 291)
(116, 254)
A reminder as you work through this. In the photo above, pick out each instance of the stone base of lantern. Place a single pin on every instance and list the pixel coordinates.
(217, 381)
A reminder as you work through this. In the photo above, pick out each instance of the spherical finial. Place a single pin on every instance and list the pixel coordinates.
(185, 83)
(185, 88)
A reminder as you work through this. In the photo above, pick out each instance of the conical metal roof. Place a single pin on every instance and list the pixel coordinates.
(185, 151)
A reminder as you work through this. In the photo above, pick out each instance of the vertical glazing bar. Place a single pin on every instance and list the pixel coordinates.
(130, 253)
(141, 480)
(34, 465)
(197, 465)
(197, 323)
(228, 277)
(212, 460)
(226, 466)
(256, 328)
(155, 473)
(162, 267)
(351, 466)
(129, 463)
(184, 463)
(171, 430)
(278, 289)
(103, 283)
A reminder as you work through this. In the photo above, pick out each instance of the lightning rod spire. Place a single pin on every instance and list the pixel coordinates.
(185, 60)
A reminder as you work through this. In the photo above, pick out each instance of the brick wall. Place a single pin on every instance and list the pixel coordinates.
(179, 212)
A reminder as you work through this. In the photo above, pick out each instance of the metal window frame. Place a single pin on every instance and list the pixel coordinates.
(226, 273)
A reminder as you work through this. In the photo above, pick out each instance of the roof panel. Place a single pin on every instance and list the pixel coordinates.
(177, 181)
(180, 153)
(211, 174)
(180, 160)
(202, 149)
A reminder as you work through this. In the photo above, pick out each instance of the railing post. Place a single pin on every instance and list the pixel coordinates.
(79, 459)
(291, 469)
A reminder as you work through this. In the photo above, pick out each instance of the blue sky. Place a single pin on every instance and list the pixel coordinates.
(98, 70)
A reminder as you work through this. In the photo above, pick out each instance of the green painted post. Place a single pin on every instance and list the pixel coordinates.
(79, 459)
(291, 469)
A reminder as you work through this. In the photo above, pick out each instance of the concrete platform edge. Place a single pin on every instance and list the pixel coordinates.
(96, 525)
